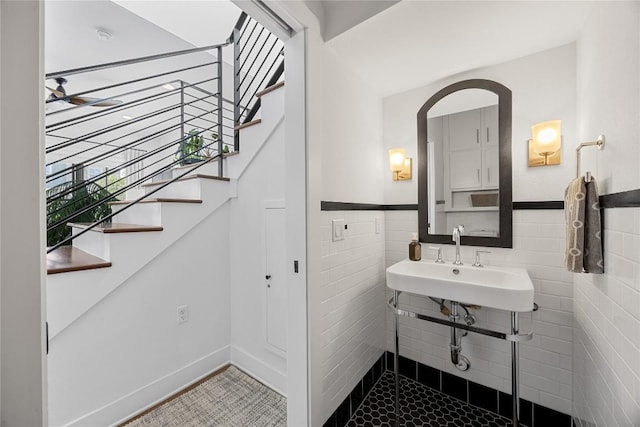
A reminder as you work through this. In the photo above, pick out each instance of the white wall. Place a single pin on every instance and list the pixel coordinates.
(23, 371)
(352, 163)
(263, 182)
(606, 349)
(543, 88)
(344, 164)
(352, 312)
(546, 365)
(128, 350)
(606, 355)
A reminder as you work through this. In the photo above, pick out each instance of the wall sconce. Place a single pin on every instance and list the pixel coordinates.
(400, 164)
(545, 143)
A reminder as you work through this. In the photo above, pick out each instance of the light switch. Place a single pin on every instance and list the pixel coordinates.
(337, 227)
(378, 227)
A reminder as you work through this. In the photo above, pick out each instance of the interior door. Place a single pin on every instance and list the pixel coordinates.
(275, 277)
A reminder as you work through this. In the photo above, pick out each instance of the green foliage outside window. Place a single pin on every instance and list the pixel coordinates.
(75, 201)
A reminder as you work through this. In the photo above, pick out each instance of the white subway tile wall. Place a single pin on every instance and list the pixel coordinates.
(606, 347)
(352, 309)
(546, 361)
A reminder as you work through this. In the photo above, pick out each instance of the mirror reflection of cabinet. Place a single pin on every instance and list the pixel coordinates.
(473, 157)
(470, 155)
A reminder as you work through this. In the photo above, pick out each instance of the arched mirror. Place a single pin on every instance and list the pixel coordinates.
(464, 164)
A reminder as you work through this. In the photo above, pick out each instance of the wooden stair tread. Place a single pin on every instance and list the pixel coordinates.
(246, 125)
(69, 258)
(157, 200)
(184, 178)
(270, 89)
(117, 227)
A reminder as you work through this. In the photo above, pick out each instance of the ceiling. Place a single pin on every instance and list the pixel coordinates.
(201, 23)
(415, 43)
(394, 47)
(336, 17)
(138, 28)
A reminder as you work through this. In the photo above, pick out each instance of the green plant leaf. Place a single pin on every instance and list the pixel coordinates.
(65, 207)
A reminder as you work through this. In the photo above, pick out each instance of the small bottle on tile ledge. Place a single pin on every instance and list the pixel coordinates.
(414, 248)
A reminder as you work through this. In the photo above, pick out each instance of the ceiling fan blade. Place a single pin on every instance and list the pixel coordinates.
(56, 92)
(81, 100)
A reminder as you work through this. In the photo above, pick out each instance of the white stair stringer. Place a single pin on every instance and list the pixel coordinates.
(70, 295)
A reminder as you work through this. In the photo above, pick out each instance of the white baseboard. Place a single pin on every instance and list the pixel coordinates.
(155, 392)
(259, 370)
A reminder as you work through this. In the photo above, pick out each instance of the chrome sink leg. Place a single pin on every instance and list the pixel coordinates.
(455, 336)
(515, 377)
(396, 359)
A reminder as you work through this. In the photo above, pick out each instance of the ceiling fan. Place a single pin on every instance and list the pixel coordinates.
(60, 94)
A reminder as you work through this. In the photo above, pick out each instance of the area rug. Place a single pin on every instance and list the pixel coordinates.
(231, 398)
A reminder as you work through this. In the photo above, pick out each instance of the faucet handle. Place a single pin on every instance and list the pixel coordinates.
(439, 249)
(477, 262)
(458, 231)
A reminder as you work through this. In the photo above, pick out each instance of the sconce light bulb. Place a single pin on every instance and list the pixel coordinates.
(547, 136)
(397, 159)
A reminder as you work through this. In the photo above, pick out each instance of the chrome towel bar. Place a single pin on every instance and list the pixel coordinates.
(599, 143)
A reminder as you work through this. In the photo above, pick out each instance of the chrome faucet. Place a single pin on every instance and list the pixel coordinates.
(455, 236)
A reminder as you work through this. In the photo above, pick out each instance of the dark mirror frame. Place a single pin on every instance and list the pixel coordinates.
(505, 239)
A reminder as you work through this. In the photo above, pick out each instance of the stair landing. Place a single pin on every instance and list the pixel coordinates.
(69, 258)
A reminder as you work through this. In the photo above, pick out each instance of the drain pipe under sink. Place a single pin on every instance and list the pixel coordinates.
(460, 361)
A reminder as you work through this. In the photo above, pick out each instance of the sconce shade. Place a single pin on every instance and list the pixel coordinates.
(399, 164)
(545, 143)
(396, 159)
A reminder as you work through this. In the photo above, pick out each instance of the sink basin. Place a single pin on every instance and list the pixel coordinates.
(504, 288)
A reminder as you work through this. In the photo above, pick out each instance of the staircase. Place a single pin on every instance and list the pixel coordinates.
(110, 253)
(163, 212)
(149, 150)
(111, 257)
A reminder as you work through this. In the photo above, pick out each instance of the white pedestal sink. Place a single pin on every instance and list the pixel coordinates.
(504, 288)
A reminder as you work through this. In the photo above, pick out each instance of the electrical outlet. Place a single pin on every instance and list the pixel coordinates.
(182, 314)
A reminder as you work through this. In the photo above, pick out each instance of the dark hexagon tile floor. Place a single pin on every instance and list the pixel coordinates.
(419, 406)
